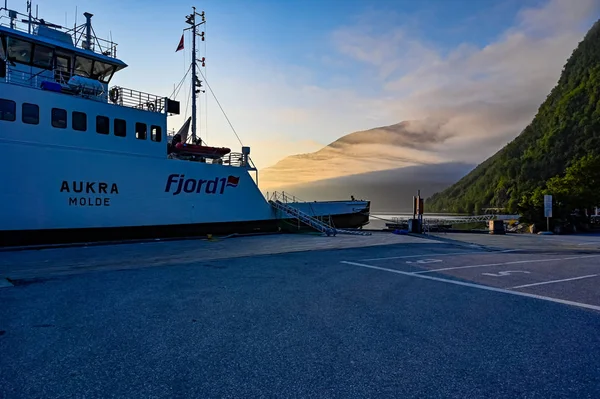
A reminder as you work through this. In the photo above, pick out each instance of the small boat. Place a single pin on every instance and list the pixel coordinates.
(180, 147)
(205, 151)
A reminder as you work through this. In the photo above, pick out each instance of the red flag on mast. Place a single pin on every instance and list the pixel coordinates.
(180, 46)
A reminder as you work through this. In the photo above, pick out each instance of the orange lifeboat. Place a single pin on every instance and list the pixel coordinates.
(201, 150)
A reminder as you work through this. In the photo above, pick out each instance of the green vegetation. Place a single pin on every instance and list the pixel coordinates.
(558, 153)
(577, 189)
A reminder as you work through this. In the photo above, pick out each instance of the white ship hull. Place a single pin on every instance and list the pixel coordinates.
(70, 181)
(60, 188)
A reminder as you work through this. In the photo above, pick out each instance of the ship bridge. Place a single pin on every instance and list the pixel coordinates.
(36, 53)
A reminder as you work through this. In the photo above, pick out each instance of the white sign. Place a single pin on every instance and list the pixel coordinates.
(548, 206)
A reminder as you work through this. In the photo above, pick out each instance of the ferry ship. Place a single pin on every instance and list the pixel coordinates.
(82, 161)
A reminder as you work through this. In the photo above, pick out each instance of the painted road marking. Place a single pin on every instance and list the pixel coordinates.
(516, 262)
(423, 261)
(505, 273)
(481, 287)
(438, 255)
(553, 281)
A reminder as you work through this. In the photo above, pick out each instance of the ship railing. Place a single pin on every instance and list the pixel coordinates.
(136, 99)
(288, 198)
(35, 80)
(23, 78)
(116, 95)
(19, 22)
(283, 197)
(447, 220)
(235, 159)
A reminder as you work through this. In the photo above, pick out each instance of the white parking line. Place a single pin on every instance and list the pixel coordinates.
(436, 255)
(552, 281)
(506, 263)
(481, 287)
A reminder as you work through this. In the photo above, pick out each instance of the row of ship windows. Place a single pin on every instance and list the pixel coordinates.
(30, 114)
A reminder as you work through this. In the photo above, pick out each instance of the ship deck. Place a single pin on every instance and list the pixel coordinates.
(452, 315)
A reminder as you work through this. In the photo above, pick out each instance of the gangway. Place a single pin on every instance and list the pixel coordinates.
(279, 201)
(433, 221)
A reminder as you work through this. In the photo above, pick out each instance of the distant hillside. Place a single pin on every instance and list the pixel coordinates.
(390, 147)
(565, 129)
(388, 190)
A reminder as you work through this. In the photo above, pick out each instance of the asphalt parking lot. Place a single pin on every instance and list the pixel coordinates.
(568, 276)
(409, 318)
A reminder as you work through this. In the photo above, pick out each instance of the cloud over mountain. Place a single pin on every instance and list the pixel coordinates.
(469, 100)
(389, 147)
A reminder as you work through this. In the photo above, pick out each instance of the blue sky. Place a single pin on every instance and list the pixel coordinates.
(296, 75)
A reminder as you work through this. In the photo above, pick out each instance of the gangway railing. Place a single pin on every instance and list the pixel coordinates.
(432, 221)
(279, 201)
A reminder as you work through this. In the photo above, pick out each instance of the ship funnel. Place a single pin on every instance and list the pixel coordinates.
(88, 45)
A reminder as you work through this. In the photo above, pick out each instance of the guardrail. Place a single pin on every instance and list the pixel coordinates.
(136, 99)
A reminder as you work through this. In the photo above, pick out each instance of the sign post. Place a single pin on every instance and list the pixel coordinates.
(548, 210)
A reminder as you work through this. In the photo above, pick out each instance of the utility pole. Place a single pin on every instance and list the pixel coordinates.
(191, 20)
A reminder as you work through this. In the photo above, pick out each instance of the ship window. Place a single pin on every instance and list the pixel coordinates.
(140, 131)
(83, 67)
(79, 121)
(102, 125)
(30, 114)
(2, 45)
(2, 57)
(120, 128)
(42, 57)
(62, 72)
(8, 110)
(59, 118)
(19, 50)
(102, 71)
(155, 133)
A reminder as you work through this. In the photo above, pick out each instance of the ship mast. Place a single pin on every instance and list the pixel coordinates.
(196, 83)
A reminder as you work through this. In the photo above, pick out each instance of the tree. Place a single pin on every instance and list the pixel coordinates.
(579, 188)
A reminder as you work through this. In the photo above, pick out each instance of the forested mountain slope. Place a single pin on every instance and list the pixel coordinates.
(565, 129)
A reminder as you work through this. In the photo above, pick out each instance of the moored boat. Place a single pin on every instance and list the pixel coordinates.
(82, 161)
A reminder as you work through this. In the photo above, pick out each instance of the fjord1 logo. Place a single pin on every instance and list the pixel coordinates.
(215, 186)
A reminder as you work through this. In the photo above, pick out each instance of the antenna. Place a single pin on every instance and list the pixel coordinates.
(29, 16)
(196, 83)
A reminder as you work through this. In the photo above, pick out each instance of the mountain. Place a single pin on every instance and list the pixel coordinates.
(565, 129)
(389, 190)
(407, 143)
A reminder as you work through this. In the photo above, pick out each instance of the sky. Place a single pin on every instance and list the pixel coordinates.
(293, 76)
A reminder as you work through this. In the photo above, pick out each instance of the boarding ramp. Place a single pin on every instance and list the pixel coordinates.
(280, 201)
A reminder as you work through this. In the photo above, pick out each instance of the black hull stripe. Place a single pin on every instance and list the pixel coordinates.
(110, 235)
